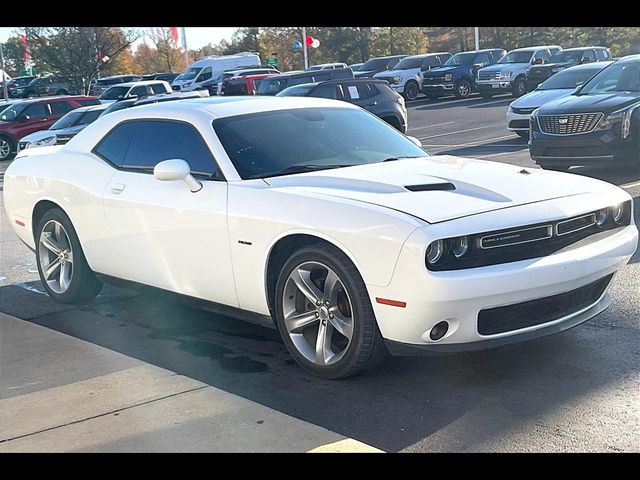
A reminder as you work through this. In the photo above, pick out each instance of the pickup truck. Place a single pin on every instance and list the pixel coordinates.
(457, 75)
(509, 74)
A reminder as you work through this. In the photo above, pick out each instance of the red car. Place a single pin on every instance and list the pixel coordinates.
(247, 85)
(28, 116)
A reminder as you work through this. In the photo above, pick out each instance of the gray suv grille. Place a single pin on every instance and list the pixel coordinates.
(488, 75)
(569, 124)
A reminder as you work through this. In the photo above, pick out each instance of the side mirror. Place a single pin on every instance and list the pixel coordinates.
(414, 140)
(538, 61)
(131, 97)
(477, 66)
(177, 169)
(23, 118)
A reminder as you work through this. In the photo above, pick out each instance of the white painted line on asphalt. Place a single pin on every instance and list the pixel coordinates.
(348, 445)
(461, 131)
(476, 144)
(630, 185)
(461, 100)
(30, 288)
(431, 126)
(495, 154)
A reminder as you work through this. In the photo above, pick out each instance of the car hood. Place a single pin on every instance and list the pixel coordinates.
(35, 136)
(439, 71)
(539, 97)
(367, 73)
(550, 66)
(504, 66)
(409, 72)
(603, 102)
(441, 188)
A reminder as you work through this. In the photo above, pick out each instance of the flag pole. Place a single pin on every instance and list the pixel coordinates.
(184, 46)
(304, 47)
(4, 81)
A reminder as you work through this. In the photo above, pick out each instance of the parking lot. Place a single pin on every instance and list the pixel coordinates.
(144, 371)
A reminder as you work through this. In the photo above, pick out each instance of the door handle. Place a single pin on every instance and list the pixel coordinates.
(44, 120)
(373, 104)
(118, 188)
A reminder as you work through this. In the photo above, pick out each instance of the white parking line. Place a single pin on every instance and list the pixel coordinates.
(431, 126)
(630, 185)
(461, 131)
(449, 102)
(495, 154)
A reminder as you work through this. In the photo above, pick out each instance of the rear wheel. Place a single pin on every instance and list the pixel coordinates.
(62, 92)
(7, 147)
(324, 314)
(411, 90)
(462, 89)
(62, 266)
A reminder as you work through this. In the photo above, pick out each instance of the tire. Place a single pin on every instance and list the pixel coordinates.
(395, 123)
(462, 89)
(519, 87)
(555, 168)
(7, 148)
(411, 90)
(80, 283)
(344, 355)
(62, 92)
(522, 134)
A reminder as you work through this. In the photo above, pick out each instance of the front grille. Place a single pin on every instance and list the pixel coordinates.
(23, 145)
(488, 75)
(570, 152)
(433, 79)
(538, 72)
(523, 111)
(569, 124)
(62, 139)
(496, 320)
(519, 124)
(386, 79)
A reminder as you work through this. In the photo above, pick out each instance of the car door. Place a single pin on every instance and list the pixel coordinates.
(35, 118)
(160, 233)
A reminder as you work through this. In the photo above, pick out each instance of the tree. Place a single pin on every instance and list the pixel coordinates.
(169, 57)
(123, 64)
(76, 53)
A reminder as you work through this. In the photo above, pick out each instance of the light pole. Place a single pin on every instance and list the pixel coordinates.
(4, 83)
(477, 35)
(304, 47)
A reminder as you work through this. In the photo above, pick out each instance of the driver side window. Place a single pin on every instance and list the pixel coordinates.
(205, 74)
(37, 110)
(482, 59)
(541, 55)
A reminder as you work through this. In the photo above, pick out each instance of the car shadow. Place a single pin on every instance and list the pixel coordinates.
(515, 144)
(438, 403)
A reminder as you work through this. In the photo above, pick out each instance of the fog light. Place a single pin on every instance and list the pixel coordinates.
(439, 330)
(602, 216)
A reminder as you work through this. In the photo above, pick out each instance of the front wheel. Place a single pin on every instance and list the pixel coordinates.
(62, 266)
(519, 87)
(462, 89)
(324, 314)
(7, 147)
(411, 90)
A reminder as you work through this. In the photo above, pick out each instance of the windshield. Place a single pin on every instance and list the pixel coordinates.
(316, 67)
(566, 56)
(191, 73)
(271, 86)
(461, 59)
(76, 118)
(374, 64)
(568, 79)
(4, 105)
(281, 142)
(517, 57)
(21, 82)
(114, 93)
(617, 77)
(296, 91)
(11, 113)
(409, 63)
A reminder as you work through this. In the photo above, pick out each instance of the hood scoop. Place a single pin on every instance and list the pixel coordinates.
(430, 187)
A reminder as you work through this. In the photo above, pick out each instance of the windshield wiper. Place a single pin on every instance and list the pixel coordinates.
(393, 159)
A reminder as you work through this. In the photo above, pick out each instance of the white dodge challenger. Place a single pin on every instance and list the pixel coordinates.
(320, 216)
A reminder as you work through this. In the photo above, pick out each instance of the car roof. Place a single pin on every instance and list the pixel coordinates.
(56, 97)
(424, 55)
(538, 47)
(589, 66)
(579, 48)
(630, 58)
(482, 50)
(139, 84)
(327, 64)
(119, 76)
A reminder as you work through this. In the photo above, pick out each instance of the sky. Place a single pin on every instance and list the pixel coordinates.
(196, 36)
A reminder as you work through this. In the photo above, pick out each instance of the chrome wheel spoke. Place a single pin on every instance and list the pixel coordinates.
(341, 323)
(65, 276)
(49, 244)
(297, 322)
(51, 268)
(302, 279)
(330, 284)
(68, 255)
(323, 344)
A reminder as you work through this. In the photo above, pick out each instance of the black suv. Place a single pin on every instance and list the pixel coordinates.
(564, 59)
(376, 96)
(598, 124)
(101, 85)
(377, 65)
(276, 83)
(16, 86)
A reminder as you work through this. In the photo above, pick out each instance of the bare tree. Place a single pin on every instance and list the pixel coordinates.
(78, 54)
(168, 53)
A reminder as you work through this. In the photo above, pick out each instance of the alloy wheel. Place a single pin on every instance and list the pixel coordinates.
(5, 149)
(55, 256)
(318, 313)
(463, 89)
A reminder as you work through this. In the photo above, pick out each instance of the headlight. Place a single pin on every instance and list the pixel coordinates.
(44, 142)
(505, 75)
(602, 216)
(533, 121)
(611, 216)
(622, 116)
(448, 77)
(435, 251)
(459, 246)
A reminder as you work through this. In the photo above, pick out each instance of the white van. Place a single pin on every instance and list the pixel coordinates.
(209, 69)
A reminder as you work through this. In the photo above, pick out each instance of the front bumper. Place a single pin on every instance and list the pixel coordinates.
(493, 86)
(599, 147)
(442, 88)
(517, 122)
(458, 296)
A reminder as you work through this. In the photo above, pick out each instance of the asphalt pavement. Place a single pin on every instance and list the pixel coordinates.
(144, 371)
